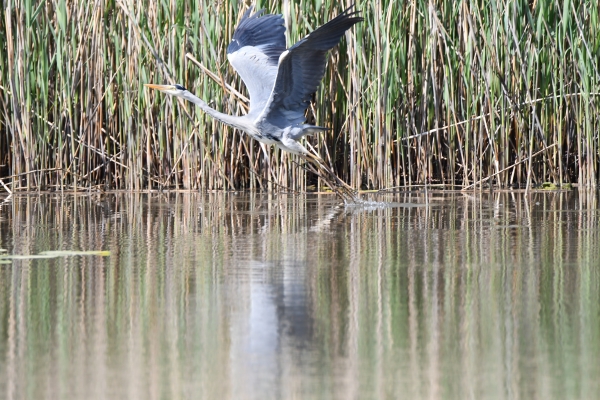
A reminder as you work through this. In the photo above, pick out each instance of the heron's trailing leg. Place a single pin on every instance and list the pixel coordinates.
(339, 187)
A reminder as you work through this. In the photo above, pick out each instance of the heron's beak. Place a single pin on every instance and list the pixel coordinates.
(162, 88)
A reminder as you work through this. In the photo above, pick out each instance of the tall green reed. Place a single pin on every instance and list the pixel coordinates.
(422, 92)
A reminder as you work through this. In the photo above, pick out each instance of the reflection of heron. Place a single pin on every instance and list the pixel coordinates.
(280, 82)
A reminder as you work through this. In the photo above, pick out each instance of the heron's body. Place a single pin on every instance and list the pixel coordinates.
(280, 82)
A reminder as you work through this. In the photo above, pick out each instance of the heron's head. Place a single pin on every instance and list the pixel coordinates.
(173, 90)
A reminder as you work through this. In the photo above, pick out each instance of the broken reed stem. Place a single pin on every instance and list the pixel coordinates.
(5, 187)
(226, 87)
(487, 115)
(507, 168)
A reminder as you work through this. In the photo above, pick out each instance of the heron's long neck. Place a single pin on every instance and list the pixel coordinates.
(231, 120)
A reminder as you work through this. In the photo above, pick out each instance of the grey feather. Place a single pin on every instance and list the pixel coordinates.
(254, 53)
(301, 70)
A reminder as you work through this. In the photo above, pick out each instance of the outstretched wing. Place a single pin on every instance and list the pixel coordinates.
(301, 69)
(254, 53)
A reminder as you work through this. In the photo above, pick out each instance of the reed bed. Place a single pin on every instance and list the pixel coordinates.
(422, 92)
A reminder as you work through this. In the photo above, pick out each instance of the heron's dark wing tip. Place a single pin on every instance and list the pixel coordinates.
(302, 67)
(352, 16)
(265, 32)
(327, 36)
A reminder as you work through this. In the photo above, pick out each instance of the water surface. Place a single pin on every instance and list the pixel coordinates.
(453, 296)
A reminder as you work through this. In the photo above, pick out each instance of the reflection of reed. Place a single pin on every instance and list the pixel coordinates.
(230, 296)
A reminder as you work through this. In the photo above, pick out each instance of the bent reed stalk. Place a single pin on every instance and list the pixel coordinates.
(422, 92)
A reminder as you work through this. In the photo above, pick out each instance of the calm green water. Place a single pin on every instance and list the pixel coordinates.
(254, 297)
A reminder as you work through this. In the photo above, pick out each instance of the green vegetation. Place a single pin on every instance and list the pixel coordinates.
(420, 93)
(51, 254)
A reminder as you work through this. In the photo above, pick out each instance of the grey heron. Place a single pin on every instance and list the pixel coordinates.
(280, 81)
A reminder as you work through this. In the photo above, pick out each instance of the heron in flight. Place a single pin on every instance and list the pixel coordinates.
(280, 81)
